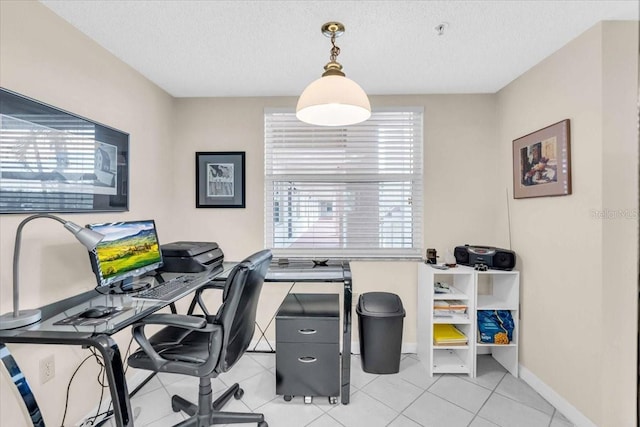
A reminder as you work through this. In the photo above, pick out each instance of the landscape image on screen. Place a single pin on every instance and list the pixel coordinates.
(127, 246)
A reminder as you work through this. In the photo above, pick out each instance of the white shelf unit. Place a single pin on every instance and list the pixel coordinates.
(440, 359)
(482, 290)
(500, 290)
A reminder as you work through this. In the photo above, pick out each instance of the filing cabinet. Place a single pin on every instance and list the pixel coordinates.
(308, 347)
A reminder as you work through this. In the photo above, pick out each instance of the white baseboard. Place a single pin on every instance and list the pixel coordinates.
(559, 402)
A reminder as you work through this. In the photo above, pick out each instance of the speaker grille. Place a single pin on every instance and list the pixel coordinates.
(504, 260)
(462, 255)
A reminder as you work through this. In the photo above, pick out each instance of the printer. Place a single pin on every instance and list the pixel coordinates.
(191, 257)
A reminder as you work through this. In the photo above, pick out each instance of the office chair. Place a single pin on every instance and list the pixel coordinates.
(207, 346)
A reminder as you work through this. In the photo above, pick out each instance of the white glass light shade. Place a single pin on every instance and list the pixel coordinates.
(333, 101)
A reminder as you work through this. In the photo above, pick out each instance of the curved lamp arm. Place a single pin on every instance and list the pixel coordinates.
(17, 318)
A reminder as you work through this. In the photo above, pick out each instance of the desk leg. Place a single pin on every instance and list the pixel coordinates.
(115, 376)
(346, 341)
(22, 385)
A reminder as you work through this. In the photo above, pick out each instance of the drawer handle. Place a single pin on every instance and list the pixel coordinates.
(307, 359)
(307, 331)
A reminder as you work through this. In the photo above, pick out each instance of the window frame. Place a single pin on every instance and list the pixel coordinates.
(275, 208)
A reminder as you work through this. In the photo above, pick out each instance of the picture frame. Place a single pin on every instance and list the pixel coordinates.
(220, 179)
(542, 162)
(55, 161)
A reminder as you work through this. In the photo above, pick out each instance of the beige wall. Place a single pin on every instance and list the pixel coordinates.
(460, 130)
(45, 58)
(579, 273)
(568, 313)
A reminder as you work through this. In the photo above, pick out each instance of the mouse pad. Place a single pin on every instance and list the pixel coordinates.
(76, 320)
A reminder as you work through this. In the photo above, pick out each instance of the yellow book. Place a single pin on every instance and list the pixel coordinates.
(447, 334)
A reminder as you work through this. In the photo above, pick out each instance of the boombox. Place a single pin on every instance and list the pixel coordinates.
(495, 258)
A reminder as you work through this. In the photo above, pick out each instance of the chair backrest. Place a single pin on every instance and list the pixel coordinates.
(237, 313)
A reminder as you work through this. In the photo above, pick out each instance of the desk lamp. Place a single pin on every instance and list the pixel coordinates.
(18, 318)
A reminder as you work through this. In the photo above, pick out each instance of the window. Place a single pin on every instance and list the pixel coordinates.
(352, 191)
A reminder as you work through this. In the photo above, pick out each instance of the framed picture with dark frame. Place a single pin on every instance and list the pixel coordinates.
(542, 162)
(55, 161)
(220, 179)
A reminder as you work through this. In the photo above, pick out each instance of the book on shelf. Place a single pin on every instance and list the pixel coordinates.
(448, 308)
(446, 334)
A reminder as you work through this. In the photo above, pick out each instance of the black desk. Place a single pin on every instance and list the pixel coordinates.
(97, 336)
(307, 271)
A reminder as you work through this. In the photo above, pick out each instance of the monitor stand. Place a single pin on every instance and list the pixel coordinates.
(128, 285)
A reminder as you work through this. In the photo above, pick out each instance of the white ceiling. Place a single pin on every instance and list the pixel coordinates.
(270, 48)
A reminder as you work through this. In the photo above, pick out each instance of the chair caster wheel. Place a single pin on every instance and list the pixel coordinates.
(333, 400)
(263, 424)
(287, 398)
(238, 394)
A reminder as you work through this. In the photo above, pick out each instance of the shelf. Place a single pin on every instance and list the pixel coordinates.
(450, 347)
(448, 361)
(478, 291)
(479, 344)
(454, 294)
(453, 271)
(461, 319)
(492, 272)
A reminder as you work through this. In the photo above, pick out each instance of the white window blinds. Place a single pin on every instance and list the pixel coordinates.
(352, 191)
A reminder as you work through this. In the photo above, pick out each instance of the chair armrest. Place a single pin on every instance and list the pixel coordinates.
(179, 320)
(197, 298)
(212, 285)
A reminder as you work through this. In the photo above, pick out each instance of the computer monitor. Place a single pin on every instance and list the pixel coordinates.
(129, 250)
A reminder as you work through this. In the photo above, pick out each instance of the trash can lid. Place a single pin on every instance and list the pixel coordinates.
(380, 304)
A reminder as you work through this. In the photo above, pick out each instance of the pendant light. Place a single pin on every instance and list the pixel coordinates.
(333, 99)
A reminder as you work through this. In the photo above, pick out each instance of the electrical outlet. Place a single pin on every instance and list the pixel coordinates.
(47, 369)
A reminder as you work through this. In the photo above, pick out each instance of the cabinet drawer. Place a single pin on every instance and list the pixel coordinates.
(308, 369)
(307, 330)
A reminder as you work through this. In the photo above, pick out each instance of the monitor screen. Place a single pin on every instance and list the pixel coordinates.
(128, 250)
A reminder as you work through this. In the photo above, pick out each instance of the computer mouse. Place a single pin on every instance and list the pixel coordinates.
(96, 312)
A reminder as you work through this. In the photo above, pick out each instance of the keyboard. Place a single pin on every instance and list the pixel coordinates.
(168, 291)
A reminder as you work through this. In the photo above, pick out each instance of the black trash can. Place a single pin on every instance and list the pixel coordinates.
(380, 318)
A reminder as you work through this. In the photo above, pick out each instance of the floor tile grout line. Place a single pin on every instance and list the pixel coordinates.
(398, 414)
(468, 379)
(448, 401)
(393, 409)
(322, 415)
(422, 390)
(477, 414)
(170, 396)
(513, 400)
(552, 415)
(387, 406)
(524, 404)
(414, 401)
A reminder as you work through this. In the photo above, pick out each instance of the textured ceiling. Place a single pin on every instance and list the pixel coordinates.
(270, 48)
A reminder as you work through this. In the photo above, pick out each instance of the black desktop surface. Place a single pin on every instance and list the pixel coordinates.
(299, 270)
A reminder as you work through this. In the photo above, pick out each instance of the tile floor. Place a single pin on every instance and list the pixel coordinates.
(407, 399)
